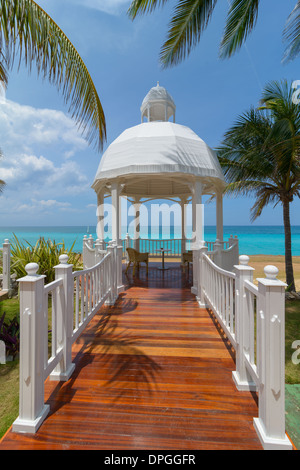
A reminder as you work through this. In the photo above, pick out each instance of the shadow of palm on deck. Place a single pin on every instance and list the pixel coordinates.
(126, 363)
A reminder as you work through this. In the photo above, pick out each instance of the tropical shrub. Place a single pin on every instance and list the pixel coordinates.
(10, 334)
(45, 253)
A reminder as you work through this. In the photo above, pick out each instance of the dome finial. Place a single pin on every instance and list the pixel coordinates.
(158, 105)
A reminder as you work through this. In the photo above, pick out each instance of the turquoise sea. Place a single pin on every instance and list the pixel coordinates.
(267, 240)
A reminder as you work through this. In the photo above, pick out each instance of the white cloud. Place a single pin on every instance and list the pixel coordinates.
(42, 177)
(39, 175)
(23, 126)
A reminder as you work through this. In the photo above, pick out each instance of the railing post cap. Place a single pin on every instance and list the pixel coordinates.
(6, 240)
(31, 269)
(63, 259)
(244, 260)
(271, 272)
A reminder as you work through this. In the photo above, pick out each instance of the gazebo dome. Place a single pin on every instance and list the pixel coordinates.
(158, 158)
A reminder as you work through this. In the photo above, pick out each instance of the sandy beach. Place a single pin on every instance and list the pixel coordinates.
(258, 262)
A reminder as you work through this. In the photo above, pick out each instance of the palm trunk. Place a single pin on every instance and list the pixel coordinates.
(288, 247)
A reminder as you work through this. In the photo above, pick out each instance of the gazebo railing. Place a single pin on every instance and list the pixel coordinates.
(223, 253)
(67, 304)
(253, 318)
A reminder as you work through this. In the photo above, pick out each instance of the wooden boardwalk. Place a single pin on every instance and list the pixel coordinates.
(153, 372)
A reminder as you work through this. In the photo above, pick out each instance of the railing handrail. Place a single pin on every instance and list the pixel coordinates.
(52, 285)
(217, 268)
(251, 287)
(88, 270)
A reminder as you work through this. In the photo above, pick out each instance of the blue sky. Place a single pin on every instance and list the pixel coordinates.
(48, 166)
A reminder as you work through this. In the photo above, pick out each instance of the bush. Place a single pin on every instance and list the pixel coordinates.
(10, 334)
(45, 253)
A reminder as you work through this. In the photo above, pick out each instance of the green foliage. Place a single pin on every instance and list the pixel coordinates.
(27, 31)
(10, 334)
(45, 253)
(191, 17)
(260, 157)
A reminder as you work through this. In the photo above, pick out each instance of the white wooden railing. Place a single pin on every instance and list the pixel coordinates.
(75, 297)
(218, 289)
(6, 279)
(224, 253)
(253, 319)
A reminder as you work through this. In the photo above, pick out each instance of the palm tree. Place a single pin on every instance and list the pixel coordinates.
(260, 157)
(191, 17)
(27, 31)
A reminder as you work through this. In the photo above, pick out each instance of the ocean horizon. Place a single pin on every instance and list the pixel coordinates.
(253, 240)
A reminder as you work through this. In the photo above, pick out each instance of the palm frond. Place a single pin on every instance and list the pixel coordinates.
(291, 34)
(28, 32)
(241, 20)
(190, 19)
(3, 71)
(140, 7)
(263, 198)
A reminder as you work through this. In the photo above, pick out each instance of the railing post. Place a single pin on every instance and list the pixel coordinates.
(84, 251)
(119, 258)
(112, 249)
(127, 245)
(32, 410)
(202, 251)
(196, 252)
(99, 250)
(241, 376)
(6, 283)
(91, 241)
(65, 309)
(218, 255)
(270, 425)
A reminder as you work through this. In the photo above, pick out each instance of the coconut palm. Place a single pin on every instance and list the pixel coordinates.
(260, 157)
(27, 31)
(191, 17)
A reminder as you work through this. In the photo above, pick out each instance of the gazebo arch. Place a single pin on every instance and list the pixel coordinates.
(159, 159)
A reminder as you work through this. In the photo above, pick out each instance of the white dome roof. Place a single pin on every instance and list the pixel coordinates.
(169, 156)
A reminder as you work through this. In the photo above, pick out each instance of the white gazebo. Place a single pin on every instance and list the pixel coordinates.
(159, 159)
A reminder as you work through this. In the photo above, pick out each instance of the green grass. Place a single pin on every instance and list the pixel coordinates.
(292, 333)
(9, 395)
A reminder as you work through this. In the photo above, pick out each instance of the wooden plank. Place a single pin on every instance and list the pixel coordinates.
(152, 372)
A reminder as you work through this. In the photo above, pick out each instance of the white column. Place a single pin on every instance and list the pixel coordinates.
(100, 215)
(219, 216)
(6, 265)
(183, 201)
(32, 410)
(137, 206)
(197, 213)
(115, 201)
(270, 424)
(65, 309)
